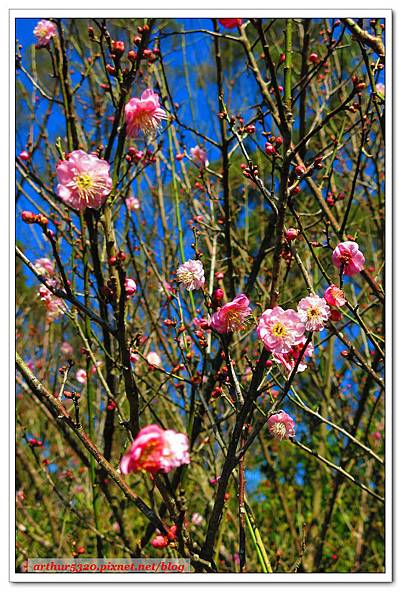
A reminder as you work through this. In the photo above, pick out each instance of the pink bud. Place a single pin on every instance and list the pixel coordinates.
(24, 155)
(269, 149)
(159, 541)
(291, 234)
(28, 217)
(130, 287)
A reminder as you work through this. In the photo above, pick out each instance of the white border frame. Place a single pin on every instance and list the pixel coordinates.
(386, 577)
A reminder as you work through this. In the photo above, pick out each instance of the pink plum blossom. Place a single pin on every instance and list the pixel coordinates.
(134, 357)
(191, 275)
(81, 376)
(96, 366)
(155, 449)
(199, 157)
(144, 114)
(334, 296)
(154, 359)
(231, 316)
(55, 306)
(230, 23)
(44, 266)
(130, 287)
(44, 32)
(196, 519)
(160, 541)
(280, 329)
(166, 288)
(44, 293)
(66, 349)
(289, 359)
(348, 256)
(281, 426)
(84, 180)
(133, 203)
(313, 312)
(380, 88)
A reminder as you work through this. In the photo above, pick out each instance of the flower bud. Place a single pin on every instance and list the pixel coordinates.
(132, 55)
(160, 541)
(118, 47)
(291, 234)
(24, 155)
(269, 149)
(28, 217)
(218, 294)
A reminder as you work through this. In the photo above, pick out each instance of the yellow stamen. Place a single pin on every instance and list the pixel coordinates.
(278, 330)
(84, 182)
(313, 313)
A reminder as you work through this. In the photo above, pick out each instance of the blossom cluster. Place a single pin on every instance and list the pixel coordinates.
(84, 182)
(55, 306)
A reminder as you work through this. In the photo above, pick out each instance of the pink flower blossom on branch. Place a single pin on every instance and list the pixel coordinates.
(130, 287)
(44, 293)
(191, 275)
(160, 541)
(314, 312)
(289, 359)
(134, 357)
(196, 519)
(44, 266)
(231, 317)
(348, 256)
(155, 449)
(280, 329)
(44, 32)
(55, 306)
(81, 376)
(281, 426)
(66, 349)
(84, 180)
(166, 288)
(199, 157)
(154, 359)
(133, 203)
(334, 296)
(144, 114)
